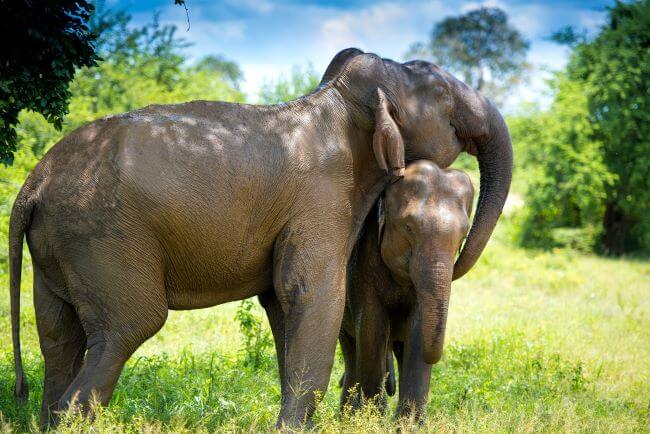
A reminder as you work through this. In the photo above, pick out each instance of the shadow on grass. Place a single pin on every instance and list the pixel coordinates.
(503, 374)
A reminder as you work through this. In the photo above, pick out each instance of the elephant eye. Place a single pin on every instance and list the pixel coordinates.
(408, 228)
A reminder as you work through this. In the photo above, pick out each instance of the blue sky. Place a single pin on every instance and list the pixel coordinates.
(268, 37)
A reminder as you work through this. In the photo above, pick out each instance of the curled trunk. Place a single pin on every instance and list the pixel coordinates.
(495, 159)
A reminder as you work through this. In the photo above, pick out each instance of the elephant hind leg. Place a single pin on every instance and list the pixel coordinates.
(98, 375)
(108, 351)
(63, 344)
(124, 304)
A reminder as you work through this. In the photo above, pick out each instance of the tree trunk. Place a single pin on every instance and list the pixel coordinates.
(616, 225)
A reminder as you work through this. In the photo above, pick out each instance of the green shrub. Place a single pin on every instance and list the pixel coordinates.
(257, 338)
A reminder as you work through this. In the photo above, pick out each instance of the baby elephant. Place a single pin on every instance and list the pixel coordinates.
(399, 282)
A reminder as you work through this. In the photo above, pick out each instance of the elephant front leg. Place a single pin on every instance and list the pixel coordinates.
(372, 330)
(414, 373)
(309, 282)
(271, 305)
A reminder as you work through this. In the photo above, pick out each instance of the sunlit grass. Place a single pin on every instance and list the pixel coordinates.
(537, 341)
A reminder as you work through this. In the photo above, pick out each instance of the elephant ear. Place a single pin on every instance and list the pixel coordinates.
(387, 142)
(381, 219)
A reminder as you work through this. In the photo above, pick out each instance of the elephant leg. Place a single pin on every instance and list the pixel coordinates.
(274, 312)
(98, 376)
(309, 282)
(123, 306)
(63, 344)
(414, 373)
(372, 330)
(349, 380)
(102, 367)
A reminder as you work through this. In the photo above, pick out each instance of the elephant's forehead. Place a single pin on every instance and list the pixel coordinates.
(428, 194)
(421, 169)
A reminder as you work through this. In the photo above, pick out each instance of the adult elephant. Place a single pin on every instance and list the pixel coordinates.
(193, 205)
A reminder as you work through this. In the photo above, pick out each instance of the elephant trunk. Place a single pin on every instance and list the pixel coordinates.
(433, 289)
(495, 159)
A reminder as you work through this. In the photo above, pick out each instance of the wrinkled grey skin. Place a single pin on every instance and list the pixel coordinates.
(193, 205)
(399, 283)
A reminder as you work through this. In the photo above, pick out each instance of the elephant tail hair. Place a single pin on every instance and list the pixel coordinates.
(18, 225)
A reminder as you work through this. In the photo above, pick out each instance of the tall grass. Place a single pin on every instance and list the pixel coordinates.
(537, 341)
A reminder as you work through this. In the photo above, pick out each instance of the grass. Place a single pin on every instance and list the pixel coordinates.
(537, 341)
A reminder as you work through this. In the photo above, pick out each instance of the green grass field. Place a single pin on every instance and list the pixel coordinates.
(537, 341)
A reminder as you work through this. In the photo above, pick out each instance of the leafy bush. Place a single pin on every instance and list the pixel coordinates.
(257, 338)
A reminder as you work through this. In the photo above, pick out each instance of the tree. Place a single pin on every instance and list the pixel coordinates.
(615, 70)
(565, 198)
(42, 46)
(143, 65)
(299, 83)
(481, 46)
(230, 71)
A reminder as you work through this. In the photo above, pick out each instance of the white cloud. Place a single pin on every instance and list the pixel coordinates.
(358, 27)
(591, 20)
(387, 29)
(256, 74)
(530, 19)
(540, 20)
(548, 54)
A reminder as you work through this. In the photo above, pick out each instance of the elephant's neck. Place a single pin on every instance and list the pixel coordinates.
(339, 123)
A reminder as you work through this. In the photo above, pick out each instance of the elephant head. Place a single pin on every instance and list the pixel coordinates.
(416, 110)
(422, 222)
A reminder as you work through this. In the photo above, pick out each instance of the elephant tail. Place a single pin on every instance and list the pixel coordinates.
(18, 226)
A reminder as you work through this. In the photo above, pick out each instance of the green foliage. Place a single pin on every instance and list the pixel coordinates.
(257, 339)
(481, 46)
(615, 70)
(230, 71)
(300, 82)
(42, 46)
(141, 66)
(587, 159)
(565, 199)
